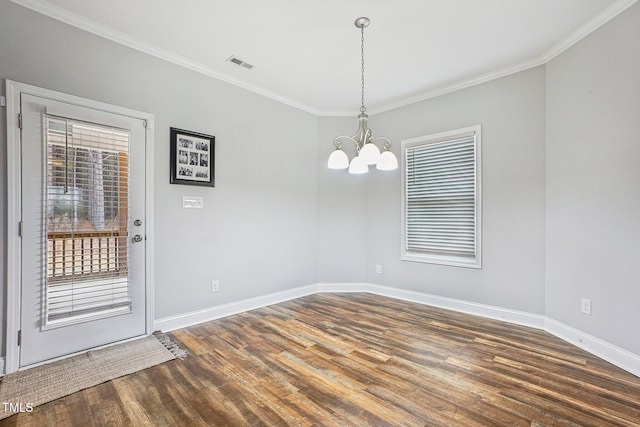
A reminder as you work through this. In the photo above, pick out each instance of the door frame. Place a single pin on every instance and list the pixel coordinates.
(14, 90)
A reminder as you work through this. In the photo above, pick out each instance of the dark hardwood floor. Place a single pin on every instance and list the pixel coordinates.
(354, 360)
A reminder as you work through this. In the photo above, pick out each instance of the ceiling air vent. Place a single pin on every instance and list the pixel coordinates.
(239, 62)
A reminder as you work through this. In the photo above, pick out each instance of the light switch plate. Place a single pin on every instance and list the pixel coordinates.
(192, 202)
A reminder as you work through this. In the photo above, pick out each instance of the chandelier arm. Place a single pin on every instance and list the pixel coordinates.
(368, 137)
(387, 141)
(338, 144)
(356, 137)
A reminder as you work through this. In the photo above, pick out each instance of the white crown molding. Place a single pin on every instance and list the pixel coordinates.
(462, 84)
(339, 113)
(598, 21)
(55, 12)
(45, 8)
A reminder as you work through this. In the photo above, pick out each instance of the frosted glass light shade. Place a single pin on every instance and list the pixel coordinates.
(338, 160)
(358, 166)
(387, 162)
(370, 153)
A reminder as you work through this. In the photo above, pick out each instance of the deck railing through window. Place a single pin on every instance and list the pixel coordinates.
(86, 254)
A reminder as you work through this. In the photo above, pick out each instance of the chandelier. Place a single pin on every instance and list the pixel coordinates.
(367, 152)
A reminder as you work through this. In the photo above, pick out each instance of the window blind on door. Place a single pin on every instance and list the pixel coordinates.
(440, 198)
(87, 206)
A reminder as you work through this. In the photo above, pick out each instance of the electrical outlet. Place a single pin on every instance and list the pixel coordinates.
(378, 269)
(585, 306)
(215, 285)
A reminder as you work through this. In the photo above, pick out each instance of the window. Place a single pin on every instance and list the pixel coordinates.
(441, 198)
(86, 221)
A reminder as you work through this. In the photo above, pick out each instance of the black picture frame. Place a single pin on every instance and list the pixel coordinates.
(192, 158)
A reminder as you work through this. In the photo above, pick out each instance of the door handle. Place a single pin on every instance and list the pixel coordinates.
(137, 238)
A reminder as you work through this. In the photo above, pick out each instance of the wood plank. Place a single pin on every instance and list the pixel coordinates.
(358, 360)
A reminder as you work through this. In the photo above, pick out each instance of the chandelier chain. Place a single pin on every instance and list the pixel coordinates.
(362, 107)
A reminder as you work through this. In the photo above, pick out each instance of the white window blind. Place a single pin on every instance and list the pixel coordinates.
(87, 204)
(441, 210)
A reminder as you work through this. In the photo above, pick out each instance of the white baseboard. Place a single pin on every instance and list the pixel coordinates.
(626, 360)
(200, 316)
(620, 357)
(1, 366)
(483, 310)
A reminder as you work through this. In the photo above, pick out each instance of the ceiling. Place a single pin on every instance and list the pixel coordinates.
(307, 53)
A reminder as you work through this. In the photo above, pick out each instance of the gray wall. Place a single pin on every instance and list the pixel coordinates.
(593, 183)
(511, 112)
(277, 222)
(342, 210)
(258, 230)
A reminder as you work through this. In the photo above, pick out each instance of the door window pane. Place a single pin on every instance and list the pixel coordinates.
(87, 198)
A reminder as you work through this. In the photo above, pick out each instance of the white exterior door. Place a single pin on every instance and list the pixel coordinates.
(83, 225)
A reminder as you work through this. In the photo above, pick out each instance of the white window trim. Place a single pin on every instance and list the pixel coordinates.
(441, 259)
